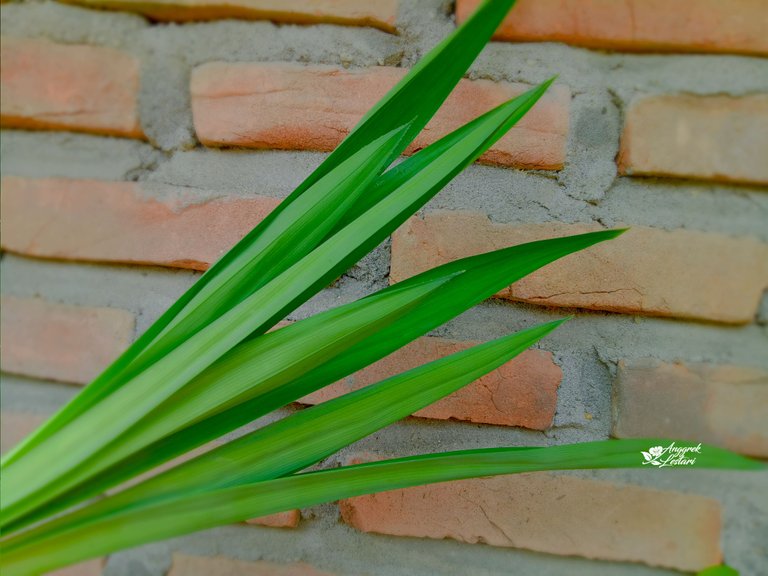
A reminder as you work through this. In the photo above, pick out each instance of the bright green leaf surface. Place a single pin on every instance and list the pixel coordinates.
(468, 281)
(412, 102)
(307, 437)
(198, 511)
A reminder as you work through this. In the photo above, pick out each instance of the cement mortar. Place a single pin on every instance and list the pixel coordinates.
(70, 155)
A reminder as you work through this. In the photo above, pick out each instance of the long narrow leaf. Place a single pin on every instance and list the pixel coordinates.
(199, 511)
(283, 355)
(485, 274)
(469, 281)
(259, 310)
(287, 236)
(258, 368)
(307, 437)
(420, 92)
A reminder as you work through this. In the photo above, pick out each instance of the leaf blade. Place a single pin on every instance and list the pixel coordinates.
(293, 349)
(485, 275)
(200, 511)
(308, 436)
(439, 71)
(258, 310)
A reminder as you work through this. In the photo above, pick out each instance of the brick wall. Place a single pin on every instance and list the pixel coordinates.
(141, 140)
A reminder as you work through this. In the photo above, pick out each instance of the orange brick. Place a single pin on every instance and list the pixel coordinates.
(120, 222)
(289, 519)
(523, 392)
(184, 565)
(706, 137)
(723, 405)
(61, 342)
(553, 514)
(702, 275)
(15, 426)
(314, 107)
(736, 26)
(380, 14)
(69, 87)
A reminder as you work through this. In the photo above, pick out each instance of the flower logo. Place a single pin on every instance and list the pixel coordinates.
(652, 455)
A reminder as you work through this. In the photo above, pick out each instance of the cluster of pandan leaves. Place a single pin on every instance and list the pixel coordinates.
(211, 365)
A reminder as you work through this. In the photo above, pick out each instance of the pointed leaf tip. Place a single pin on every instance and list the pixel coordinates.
(547, 83)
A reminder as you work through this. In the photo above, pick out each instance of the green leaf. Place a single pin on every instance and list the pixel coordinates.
(468, 282)
(198, 511)
(282, 356)
(423, 90)
(420, 93)
(508, 114)
(257, 312)
(287, 236)
(307, 437)
(258, 368)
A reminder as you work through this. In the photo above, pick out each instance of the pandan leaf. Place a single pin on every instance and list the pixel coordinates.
(306, 437)
(257, 312)
(283, 354)
(199, 511)
(420, 93)
(468, 281)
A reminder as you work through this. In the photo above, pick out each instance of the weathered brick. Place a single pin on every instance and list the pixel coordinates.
(15, 426)
(288, 519)
(380, 14)
(523, 392)
(706, 137)
(717, 404)
(123, 222)
(61, 342)
(184, 565)
(552, 514)
(69, 87)
(314, 107)
(736, 26)
(702, 275)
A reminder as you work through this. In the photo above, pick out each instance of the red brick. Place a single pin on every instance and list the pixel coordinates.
(314, 107)
(735, 26)
(553, 514)
(702, 275)
(721, 138)
(61, 342)
(15, 426)
(380, 14)
(717, 404)
(69, 87)
(122, 222)
(523, 392)
(184, 565)
(289, 519)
